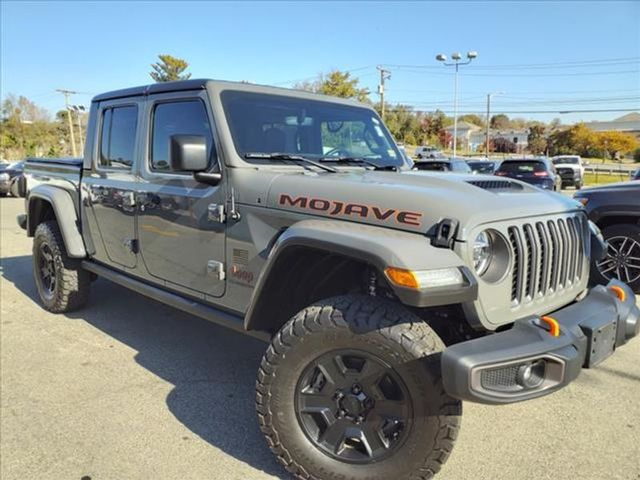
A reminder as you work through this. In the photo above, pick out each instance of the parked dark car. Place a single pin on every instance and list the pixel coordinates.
(539, 172)
(635, 175)
(457, 165)
(487, 167)
(615, 209)
(9, 173)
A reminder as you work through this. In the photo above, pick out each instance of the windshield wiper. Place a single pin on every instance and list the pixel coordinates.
(287, 157)
(358, 160)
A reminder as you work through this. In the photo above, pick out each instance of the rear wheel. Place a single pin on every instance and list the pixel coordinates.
(351, 388)
(622, 257)
(62, 285)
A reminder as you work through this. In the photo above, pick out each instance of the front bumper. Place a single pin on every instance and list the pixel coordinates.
(527, 361)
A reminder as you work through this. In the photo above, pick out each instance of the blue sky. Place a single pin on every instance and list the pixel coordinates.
(544, 55)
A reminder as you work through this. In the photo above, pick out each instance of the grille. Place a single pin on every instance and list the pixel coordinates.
(547, 256)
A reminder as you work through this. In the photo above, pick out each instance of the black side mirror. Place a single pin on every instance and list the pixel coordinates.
(188, 153)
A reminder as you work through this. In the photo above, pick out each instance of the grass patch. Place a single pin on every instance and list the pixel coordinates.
(591, 179)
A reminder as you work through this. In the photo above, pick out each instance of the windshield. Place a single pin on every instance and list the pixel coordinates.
(265, 123)
(566, 160)
(522, 167)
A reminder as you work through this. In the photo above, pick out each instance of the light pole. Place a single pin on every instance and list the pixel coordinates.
(456, 57)
(489, 95)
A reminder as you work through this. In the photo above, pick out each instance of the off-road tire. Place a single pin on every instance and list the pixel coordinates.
(403, 341)
(71, 287)
(621, 230)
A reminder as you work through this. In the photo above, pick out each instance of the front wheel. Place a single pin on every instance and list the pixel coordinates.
(622, 257)
(351, 388)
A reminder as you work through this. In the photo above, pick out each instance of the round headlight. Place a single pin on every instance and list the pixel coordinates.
(482, 252)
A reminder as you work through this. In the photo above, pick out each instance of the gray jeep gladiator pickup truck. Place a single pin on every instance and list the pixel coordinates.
(388, 296)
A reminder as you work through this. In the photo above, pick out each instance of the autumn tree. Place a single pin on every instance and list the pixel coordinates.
(537, 140)
(169, 69)
(615, 143)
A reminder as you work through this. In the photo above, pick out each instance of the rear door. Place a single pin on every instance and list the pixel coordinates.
(181, 242)
(111, 183)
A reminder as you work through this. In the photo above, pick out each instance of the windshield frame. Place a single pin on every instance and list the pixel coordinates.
(394, 157)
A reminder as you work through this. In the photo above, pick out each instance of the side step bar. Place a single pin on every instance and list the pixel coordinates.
(228, 320)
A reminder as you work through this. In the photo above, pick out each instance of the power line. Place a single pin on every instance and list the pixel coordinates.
(530, 66)
(529, 75)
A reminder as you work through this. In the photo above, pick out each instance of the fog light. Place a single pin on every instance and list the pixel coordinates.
(531, 375)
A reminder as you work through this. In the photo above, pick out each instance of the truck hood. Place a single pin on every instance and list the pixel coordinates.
(413, 200)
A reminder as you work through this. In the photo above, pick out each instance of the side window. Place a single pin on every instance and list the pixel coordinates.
(118, 137)
(177, 118)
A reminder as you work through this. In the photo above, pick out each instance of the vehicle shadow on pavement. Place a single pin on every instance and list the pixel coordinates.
(213, 369)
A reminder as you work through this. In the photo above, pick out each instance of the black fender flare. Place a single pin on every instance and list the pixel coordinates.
(66, 216)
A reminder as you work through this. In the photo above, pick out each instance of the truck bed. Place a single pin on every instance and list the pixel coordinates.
(60, 172)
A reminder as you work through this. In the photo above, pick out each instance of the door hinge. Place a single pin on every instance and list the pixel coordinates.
(215, 213)
(216, 269)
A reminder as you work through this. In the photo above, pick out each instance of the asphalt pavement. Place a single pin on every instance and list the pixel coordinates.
(128, 388)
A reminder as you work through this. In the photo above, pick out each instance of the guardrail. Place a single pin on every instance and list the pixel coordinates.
(611, 169)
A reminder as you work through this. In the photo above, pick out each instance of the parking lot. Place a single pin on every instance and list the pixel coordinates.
(130, 389)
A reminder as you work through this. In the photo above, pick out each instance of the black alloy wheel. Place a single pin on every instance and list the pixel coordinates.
(353, 406)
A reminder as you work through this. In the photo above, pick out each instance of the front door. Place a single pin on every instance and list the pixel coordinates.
(111, 182)
(181, 242)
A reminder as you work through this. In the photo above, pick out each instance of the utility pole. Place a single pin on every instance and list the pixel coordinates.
(66, 94)
(489, 95)
(79, 110)
(384, 75)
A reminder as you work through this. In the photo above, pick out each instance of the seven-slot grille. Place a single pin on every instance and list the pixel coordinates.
(548, 256)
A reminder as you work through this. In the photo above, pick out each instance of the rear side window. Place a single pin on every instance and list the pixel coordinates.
(177, 118)
(118, 137)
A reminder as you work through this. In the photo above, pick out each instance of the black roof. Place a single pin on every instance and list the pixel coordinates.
(162, 87)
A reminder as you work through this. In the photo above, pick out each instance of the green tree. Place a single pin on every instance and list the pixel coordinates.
(336, 84)
(537, 140)
(500, 121)
(169, 69)
(473, 119)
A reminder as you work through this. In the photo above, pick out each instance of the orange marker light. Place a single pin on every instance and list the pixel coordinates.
(554, 326)
(619, 292)
(401, 277)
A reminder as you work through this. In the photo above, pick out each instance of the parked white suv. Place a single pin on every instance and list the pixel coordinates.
(426, 151)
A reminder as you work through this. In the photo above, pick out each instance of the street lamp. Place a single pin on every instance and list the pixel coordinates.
(489, 95)
(457, 61)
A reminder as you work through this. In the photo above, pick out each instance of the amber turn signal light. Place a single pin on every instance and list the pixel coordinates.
(554, 326)
(404, 278)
